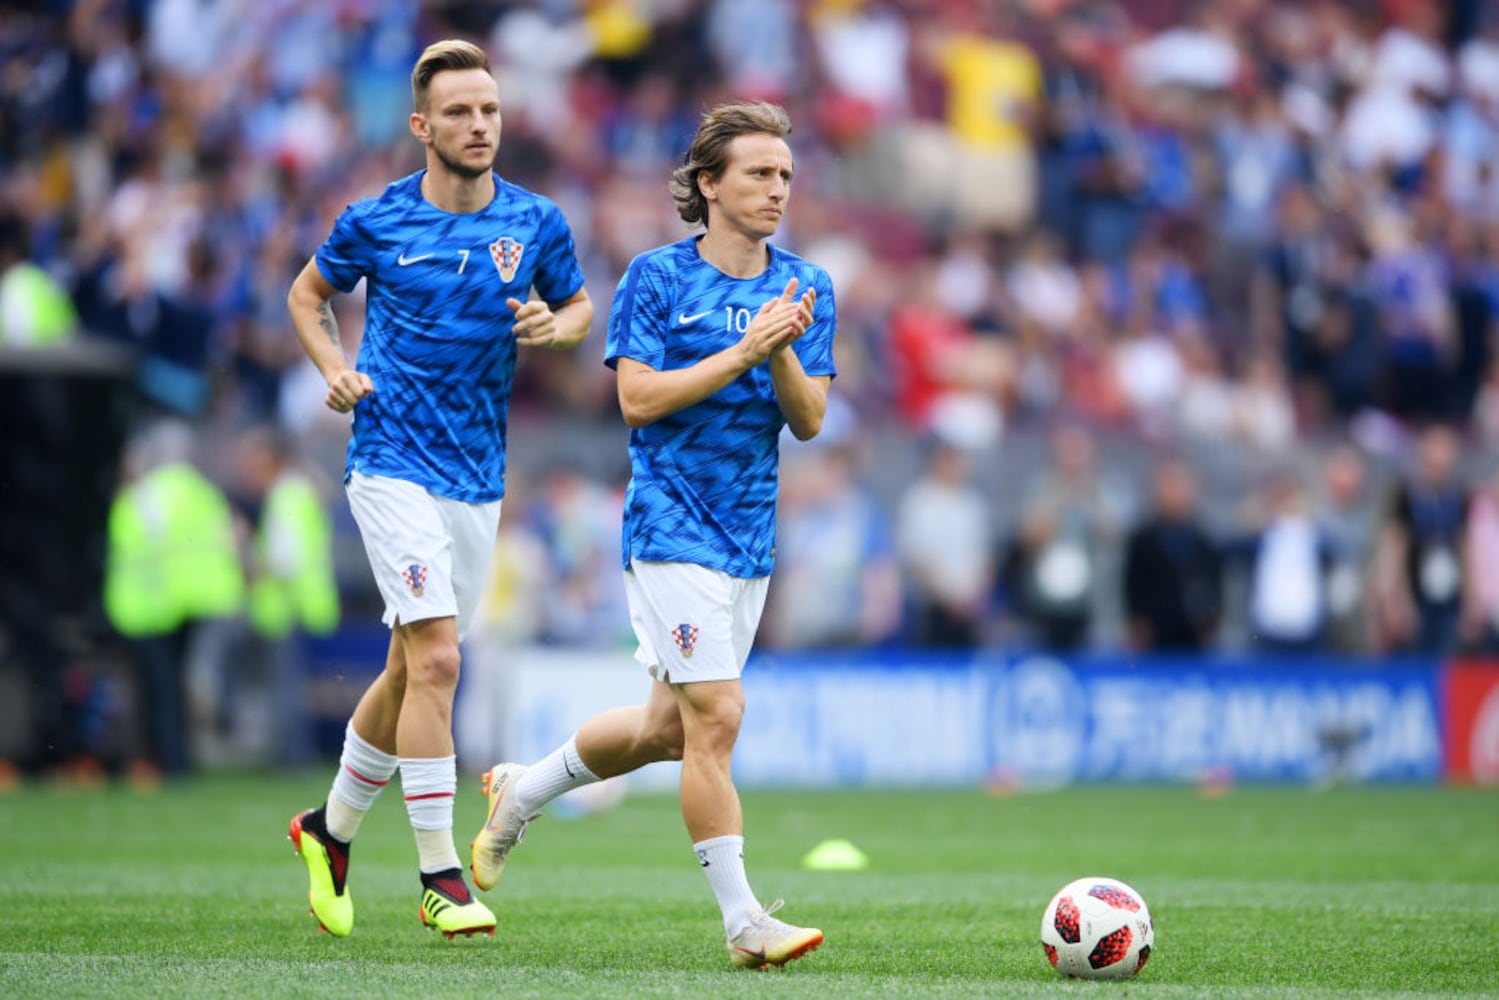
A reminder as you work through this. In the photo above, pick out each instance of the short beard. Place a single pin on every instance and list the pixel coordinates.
(461, 169)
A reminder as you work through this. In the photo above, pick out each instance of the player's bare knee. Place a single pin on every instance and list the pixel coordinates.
(436, 667)
(718, 722)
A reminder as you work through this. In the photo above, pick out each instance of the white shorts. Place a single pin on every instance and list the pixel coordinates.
(430, 555)
(693, 623)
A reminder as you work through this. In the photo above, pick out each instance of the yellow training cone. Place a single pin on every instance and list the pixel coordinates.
(836, 856)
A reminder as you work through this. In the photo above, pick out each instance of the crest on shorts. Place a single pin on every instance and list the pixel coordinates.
(685, 637)
(415, 576)
(506, 253)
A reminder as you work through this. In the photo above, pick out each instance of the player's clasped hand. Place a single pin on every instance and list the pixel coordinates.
(346, 389)
(779, 322)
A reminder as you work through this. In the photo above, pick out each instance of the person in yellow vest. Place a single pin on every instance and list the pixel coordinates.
(35, 310)
(171, 565)
(293, 588)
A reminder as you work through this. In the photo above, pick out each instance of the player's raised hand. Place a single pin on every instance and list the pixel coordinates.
(347, 388)
(536, 325)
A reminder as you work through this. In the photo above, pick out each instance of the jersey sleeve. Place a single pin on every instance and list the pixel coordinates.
(815, 348)
(638, 317)
(558, 275)
(345, 255)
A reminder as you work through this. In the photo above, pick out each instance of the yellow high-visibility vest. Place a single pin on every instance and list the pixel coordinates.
(172, 556)
(35, 310)
(294, 585)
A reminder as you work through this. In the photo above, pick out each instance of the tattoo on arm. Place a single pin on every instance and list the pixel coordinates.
(327, 321)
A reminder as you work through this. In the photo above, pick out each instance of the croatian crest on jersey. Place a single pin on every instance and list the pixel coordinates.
(415, 576)
(685, 637)
(506, 253)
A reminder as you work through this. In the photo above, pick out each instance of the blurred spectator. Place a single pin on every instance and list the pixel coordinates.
(1197, 53)
(293, 592)
(172, 566)
(1345, 517)
(1410, 283)
(1172, 575)
(1420, 550)
(864, 48)
(1044, 288)
(1066, 547)
(757, 46)
(837, 580)
(1073, 82)
(992, 84)
(1310, 301)
(540, 46)
(945, 538)
(948, 377)
(1388, 124)
(1288, 571)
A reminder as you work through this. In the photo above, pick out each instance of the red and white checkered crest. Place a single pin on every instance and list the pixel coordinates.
(507, 254)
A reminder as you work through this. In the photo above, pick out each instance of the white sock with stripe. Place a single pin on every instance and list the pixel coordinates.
(363, 773)
(429, 784)
(722, 859)
(560, 771)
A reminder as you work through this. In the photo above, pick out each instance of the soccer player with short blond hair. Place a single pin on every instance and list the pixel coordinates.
(451, 256)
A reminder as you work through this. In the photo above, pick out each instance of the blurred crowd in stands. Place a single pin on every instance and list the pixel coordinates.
(1163, 324)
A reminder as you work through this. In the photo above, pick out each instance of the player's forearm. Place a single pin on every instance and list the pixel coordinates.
(647, 395)
(803, 400)
(318, 331)
(317, 328)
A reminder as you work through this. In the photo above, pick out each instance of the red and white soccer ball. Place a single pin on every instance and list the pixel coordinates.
(1097, 928)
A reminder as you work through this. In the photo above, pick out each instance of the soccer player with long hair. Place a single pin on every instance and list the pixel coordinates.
(718, 341)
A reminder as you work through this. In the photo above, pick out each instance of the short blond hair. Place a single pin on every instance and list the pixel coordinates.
(439, 57)
(709, 152)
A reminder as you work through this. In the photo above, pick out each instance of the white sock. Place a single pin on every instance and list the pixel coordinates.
(560, 771)
(429, 784)
(722, 859)
(363, 772)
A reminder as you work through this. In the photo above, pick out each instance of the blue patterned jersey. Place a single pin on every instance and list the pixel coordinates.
(704, 479)
(437, 341)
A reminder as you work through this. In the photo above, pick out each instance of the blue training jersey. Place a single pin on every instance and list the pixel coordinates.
(437, 341)
(704, 479)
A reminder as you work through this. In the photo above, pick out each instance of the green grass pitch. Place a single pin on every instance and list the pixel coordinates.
(1285, 892)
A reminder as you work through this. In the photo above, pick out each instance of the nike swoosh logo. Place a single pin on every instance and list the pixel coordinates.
(403, 260)
(754, 954)
(685, 319)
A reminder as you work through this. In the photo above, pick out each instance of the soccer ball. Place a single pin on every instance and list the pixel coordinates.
(1097, 928)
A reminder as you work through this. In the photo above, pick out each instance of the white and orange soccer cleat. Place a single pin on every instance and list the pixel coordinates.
(768, 941)
(504, 826)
